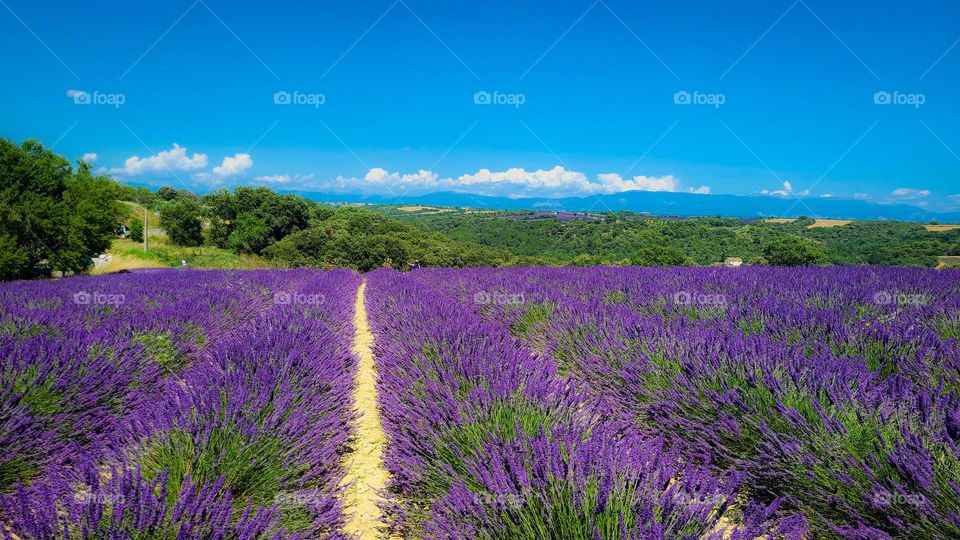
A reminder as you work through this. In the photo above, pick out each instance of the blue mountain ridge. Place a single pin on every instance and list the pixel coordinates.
(663, 203)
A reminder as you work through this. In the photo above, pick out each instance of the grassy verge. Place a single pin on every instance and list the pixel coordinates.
(129, 254)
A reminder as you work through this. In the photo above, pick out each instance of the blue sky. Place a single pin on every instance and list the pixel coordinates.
(776, 97)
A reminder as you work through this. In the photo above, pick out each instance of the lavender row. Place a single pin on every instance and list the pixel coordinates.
(488, 440)
(240, 439)
(834, 388)
(78, 355)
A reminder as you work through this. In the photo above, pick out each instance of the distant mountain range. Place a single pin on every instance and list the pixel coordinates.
(666, 203)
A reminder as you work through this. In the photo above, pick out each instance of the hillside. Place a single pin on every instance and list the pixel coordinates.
(618, 238)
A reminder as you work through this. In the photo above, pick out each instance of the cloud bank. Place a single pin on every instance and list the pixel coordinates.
(175, 159)
(515, 182)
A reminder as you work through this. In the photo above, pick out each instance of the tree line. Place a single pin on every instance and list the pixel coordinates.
(623, 238)
(52, 216)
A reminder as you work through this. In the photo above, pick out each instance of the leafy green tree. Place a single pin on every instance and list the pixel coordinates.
(250, 234)
(282, 215)
(51, 217)
(167, 193)
(170, 194)
(220, 233)
(792, 251)
(659, 256)
(321, 212)
(13, 258)
(136, 230)
(182, 221)
(285, 214)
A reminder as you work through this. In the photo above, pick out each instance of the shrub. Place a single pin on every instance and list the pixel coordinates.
(181, 220)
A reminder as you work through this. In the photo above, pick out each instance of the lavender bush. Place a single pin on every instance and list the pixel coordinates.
(488, 440)
(835, 389)
(178, 404)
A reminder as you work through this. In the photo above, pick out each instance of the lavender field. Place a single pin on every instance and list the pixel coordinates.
(641, 403)
(181, 404)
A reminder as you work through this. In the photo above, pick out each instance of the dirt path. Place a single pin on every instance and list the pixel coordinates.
(366, 474)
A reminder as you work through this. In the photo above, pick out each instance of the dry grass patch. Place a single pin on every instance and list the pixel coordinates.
(941, 228)
(829, 223)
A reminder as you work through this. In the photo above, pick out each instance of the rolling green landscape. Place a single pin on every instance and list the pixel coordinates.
(58, 219)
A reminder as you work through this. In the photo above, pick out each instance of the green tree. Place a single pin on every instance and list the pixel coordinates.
(136, 230)
(792, 251)
(285, 215)
(167, 193)
(51, 217)
(170, 194)
(13, 258)
(659, 256)
(182, 221)
(250, 234)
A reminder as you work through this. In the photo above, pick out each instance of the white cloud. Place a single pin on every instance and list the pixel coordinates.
(89, 157)
(520, 182)
(422, 178)
(614, 183)
(175, 159)
(284, 178)
(785, 192)
(232, 166)
(910, 194)
(515, 182)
